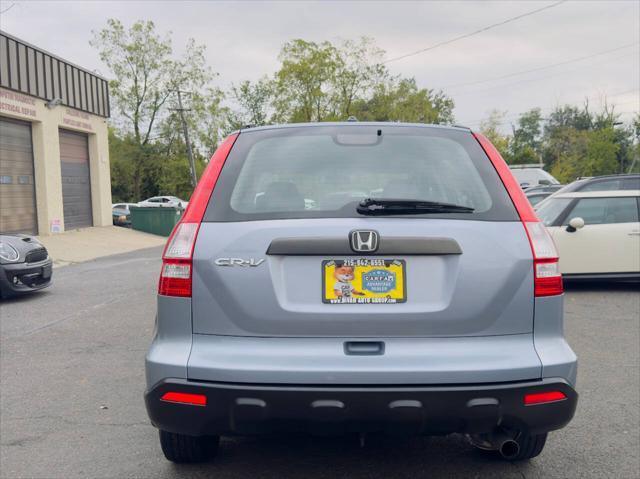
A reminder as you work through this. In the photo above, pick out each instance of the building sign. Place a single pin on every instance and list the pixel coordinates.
(74, 118)
(17, 103)
(56, 226)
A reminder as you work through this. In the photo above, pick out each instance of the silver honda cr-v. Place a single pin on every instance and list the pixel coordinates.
(361, 278)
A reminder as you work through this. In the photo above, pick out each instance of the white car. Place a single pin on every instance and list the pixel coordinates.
(123, 206)
(172, 201)
(531, 175)
(597, 233)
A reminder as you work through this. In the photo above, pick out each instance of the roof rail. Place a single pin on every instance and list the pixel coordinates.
(528, 165)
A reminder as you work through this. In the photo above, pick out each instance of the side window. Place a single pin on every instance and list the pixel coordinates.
(607, 185)
(597, 211)
(165, 200)
(154, 200)
(535, 199)
(631, 184)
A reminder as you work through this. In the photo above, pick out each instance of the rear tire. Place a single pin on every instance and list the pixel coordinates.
(530, 446)
(181, 448)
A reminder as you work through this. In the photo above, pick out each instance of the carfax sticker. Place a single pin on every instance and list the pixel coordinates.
(363, 281)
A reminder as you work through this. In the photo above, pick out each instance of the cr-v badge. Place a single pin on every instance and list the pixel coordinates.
(238, 262)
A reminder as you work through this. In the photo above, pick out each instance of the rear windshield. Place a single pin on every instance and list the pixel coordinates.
(325, 171)
(533, 176)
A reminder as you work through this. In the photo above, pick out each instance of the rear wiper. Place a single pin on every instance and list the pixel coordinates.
(377, 206)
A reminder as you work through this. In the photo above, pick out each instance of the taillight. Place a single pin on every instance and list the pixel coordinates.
(175, 276)
(177, 259)
(185, 398)
(544, 398)
(547, 277)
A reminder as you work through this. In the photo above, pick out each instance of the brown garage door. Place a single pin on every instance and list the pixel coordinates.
(17, 190)
(76, 185)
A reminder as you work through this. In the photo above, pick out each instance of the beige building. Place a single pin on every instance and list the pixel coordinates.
(54, 154)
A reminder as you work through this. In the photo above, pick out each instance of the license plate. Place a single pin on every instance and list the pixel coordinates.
(363, 281)
(46, 272)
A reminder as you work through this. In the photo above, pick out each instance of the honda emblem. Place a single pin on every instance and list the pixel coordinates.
(364, 241)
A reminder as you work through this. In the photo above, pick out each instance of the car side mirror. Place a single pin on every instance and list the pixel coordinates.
(575, 224)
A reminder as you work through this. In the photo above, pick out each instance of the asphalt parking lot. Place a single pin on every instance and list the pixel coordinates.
(71, 383)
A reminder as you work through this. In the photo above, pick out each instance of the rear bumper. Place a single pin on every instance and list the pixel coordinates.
(30, 277)
(577, 277)
(245, 409)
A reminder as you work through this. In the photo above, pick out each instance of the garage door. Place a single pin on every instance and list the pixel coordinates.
(17, 190)
(76, 185)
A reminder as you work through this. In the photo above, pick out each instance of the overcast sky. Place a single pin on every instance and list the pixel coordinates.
(243, 40)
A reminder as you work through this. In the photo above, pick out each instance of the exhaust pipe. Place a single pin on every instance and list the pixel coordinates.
(497, 441)
(509, 449)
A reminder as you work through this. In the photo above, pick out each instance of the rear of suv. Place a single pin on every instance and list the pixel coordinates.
(359, 278)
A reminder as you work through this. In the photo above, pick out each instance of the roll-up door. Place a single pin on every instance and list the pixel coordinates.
(17, 185)
(76, 183)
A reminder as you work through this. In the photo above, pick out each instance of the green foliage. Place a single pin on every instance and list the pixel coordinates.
(305, 81)
(327, 82)
(490, 127)
(120, 152)
(359, 71)
(582, 153)
(526, 139)
(578, 142)
(572, 142)
(316, 81)
(146, 74)
(400, 99)
(148, 156)
(160, 168)
(254, 100)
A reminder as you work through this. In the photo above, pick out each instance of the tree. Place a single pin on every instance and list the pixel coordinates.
(145, 76)
(400, 99)
(634, 130)
(524, 147)
(121, 149)
(568, 116)
(578, 142)
(490, 127)
(254, 100)
(320, 81)
(304, 83)
(583, 153)
(358, 70)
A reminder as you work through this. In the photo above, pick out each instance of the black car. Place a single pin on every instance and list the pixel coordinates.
(25, 265)
(536, 194)
(603, 183)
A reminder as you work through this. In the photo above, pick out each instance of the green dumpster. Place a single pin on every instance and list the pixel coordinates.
(157, 220)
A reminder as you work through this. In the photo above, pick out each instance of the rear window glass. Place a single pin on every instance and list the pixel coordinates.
(326, 171)
(631, 184)
(613, 185)
(602, 186)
